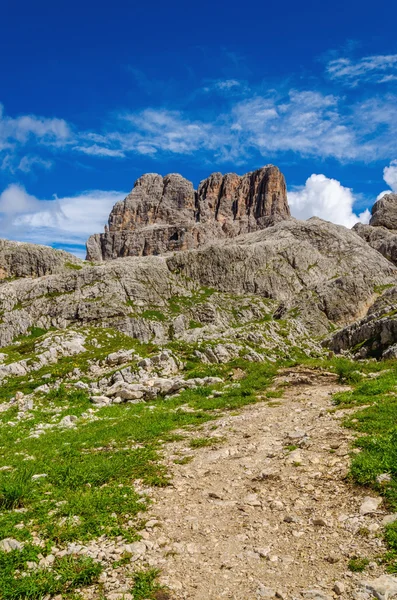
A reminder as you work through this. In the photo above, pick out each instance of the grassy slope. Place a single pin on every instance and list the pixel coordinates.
(90, 471)
(88, 488)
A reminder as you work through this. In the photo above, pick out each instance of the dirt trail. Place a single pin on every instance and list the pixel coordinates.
(249, 518)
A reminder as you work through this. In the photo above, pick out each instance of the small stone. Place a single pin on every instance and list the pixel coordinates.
(339, 588)
(136, 548)
(252, 500)
(68, 421)
(263, 552)
(294, 457)
(152, 523)
(273, 558)
(47, 561)
(333, 558)
(100, 400)
(290, 519)
(383, 479)
(389, 519)
(370, 505)
(334, 445)
(9, 544)
(265, 592)
(214, 495)
(315, 595)
(276, 505)
(298, 434)
(320, 522)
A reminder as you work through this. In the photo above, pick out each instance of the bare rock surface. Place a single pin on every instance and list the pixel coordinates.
(381, 239)
(381, 233)
(375, 334)
(324, 272)
(164, 214)
(384, 212)
(18, 259)
(321, 268)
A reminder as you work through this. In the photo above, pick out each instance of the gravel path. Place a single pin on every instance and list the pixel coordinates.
(268, 512)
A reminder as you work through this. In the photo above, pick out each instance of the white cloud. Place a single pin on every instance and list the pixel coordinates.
(306, 123)
(325, 198)
(226, 87)
(377, 68)
(25, 164)
(16, 134)
(96, 150)
(61, 221)
(47, 131)
(390, 176)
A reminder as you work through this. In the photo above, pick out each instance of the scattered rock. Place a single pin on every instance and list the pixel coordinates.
(9, 544)
(370, 505)
(383, 588)
(339, 588)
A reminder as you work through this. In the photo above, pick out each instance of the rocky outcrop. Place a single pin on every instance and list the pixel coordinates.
(166, 214)
(381, 233)
(375, 335)
(18, 259)
(384, 212)
(381, 239)
(321, 272)
(324, 270)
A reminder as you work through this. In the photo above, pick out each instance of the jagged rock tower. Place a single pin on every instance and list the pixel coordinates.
(165, 214)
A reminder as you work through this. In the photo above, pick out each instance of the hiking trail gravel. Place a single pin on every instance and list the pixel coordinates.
(266, 511)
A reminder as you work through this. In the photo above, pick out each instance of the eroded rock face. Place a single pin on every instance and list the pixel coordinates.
(18, 259)
(375, 335)
(165, 214)
(384, 212)
(324, 272)
(381, 233)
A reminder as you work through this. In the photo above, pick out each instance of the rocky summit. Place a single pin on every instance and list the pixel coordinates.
(165, 214)
(185, 416)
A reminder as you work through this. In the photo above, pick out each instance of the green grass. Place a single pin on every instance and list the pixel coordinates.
(145, 586)
(347, 371)
(195, 324)
(203, 442)
(154, 315)
(66, 575)
(91, 470)
(178, 303)
(16, 488)
(378, 289)
(358, 565)
(183, 461)
(74, 266)
(377, 423)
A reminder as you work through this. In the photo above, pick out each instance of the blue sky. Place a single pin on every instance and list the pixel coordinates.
(93, 96)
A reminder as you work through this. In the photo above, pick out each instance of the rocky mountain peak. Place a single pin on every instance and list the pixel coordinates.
(163, 214)
(384, 212)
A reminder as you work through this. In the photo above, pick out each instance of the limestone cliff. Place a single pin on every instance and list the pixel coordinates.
(19, 259)
(165, 214)
(319, 271)
(381, 233)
